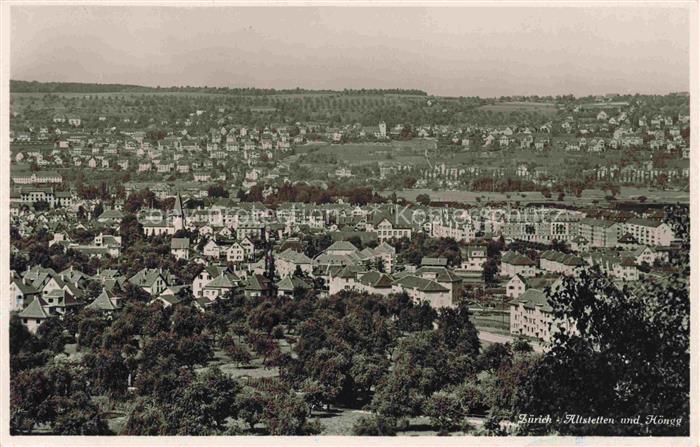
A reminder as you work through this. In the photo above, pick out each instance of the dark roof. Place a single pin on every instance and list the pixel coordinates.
(535, 297)
(440, 262)
(179, 243)
(257, 282)
(377, 280)
(651, 223)
(288, 284)
(34, 310)
(424, 285)
(103, 302)
(514, 258)
(145, 278)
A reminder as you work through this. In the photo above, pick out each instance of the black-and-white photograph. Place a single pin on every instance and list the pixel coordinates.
(395, 220)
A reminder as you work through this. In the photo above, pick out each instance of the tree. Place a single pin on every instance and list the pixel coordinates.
(145, 419)
(456, 330)
(330, 370)
(41, 205)
(97, 211)
(194, 350)
(421, 367)
(77, 415)
(90, 331)
(423, 199)
(287, 415)
(216, 191)
(494, 356)
(238, 353)
(108, 371)
(53, 334)
(631, 356)
(491, 270)
(251, 406)
(375, 425)
(58, 395)
(265, 317)
(444, 410)
(186, 321)
(130, 230)
(206, 404)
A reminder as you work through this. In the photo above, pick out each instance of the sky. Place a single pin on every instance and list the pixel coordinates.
(450, 51)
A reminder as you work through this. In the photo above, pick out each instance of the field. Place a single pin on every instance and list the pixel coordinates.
(356, 154)
(528, 107)
(587, 197)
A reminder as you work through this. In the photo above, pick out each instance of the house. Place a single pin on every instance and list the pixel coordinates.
(219, 286)
(150, 280)
(204, 277)
(650, 232)
(21, 293)
(642, 255)
(375, 283)
(60, 301)
(383, 254)
(248, 246)
(288, 285)
(385, 229)
(34, 314)
(257, 286)
(111, 217)
(516, 286)
(112, 244)
(211, 249)
(443, 277)
(557, 262)
(599, 232)
(27, 178)
(341, 248)
(106, 302)
(420, 289)
(513, 263)
(156, 227)
(531, 315)
(342, 278)
(55, 286)
(614, 265)
(235, 253)
(473, 258)
(287, 262)
(171, 296)
(180, 248)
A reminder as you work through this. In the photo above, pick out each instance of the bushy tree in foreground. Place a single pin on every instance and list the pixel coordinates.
(629, 355)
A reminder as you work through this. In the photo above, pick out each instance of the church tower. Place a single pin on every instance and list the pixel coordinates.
(178, 214)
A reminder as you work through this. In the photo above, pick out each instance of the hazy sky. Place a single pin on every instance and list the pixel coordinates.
(446, 51)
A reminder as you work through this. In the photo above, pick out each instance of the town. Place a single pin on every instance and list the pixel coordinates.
(329, 241)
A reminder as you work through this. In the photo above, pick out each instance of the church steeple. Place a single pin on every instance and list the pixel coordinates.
(178, 214)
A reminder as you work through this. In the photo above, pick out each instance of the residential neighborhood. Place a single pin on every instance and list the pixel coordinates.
(255, 237)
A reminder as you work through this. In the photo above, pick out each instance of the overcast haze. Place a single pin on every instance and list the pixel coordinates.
(445, 51)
